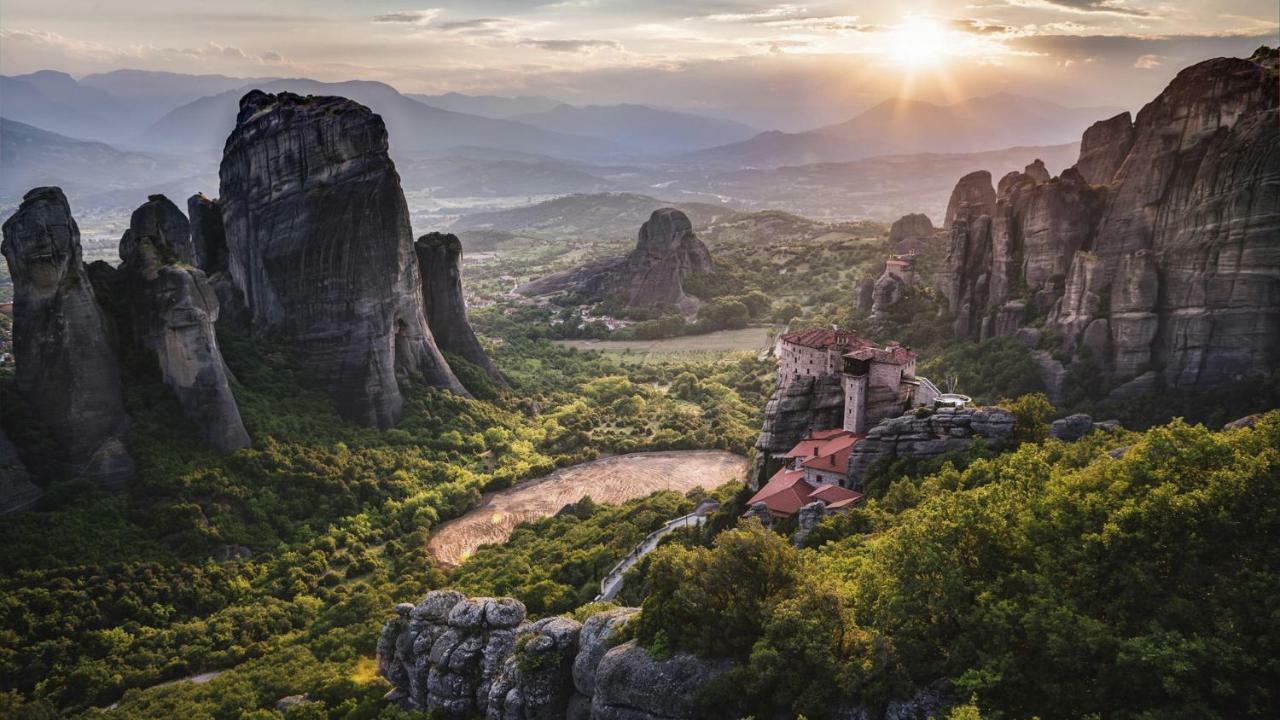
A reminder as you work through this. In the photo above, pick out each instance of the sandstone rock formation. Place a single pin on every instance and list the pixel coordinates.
(666, 253)
(208, 235)
(17, 489)
(65, 363)
(478, 657)
(946, 430)
(320, 246)
(171, 311)
(807, 404)
(440, 262)
(1104, 147)
(1159, 251)
(907, 232)
(973, 194)
(632, 685)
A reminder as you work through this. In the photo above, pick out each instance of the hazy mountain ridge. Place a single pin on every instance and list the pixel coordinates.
(640, 128)
(900, 126)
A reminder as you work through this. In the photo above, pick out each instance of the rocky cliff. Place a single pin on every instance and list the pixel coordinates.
(479, 657)
(171, 312)
(18, 490)
(1159, 252)
(440, 262)
(208, 235)
(319, 243)
(666, 252)
(924, 436)
(65, 363)
(793, 410)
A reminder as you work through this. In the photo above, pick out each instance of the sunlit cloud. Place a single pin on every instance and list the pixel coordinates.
(573, 46)
(1148, 62)
(409, 17)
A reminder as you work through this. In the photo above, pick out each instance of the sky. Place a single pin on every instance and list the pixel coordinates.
(774, 65)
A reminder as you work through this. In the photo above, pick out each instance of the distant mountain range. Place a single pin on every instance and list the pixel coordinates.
(490, 106)
(33, 157)
(639, 128)
(910, 126)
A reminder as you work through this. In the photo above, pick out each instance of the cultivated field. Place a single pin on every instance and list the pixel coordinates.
(752, 339)
(607, 480)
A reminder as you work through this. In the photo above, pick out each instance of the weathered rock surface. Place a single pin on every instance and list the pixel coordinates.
(1104, 147)
(866, 294)
(440, 262)
(666, 252)
(65, 363)
(973, 196)
(172, 310)
(469, 657)
(944, 431)
(1071, 427)
(889, 290)
(208, 234)
(631, 685)
(17, 489)
(806, 520)
(1167, 231)
(908, 228)
(807, 404)
(536, 680)
(320, 245)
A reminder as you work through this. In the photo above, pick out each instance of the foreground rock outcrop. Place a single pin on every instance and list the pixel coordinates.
(208, 234)
(171, 312)
(652, 275)
(440, 262)
(479, 657)
(320, 246)
(18, 490)
(66, 366)
(924, 436)
(1159, 251)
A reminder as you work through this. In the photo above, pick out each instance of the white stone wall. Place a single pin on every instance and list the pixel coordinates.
(823, 477)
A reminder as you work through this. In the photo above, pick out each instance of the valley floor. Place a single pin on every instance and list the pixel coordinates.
(608, 480)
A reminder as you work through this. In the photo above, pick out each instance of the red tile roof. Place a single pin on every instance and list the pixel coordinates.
(835, 496)
(825, 338)
(787, 491)
(833, 455)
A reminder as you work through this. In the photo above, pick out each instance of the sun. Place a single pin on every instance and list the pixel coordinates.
(916, 42)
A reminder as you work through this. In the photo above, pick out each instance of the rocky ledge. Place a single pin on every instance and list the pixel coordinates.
(479, 657)
(923, 436)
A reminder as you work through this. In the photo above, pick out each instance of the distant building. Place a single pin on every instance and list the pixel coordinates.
(878, 382)
(815, 469)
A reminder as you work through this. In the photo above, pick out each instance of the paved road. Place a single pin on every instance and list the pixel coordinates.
(612, 582)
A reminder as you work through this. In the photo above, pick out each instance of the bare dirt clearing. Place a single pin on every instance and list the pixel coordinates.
(607, 480)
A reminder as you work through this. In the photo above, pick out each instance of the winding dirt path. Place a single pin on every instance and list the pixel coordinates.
(612, 479)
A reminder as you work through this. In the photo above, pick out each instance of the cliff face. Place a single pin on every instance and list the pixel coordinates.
(319, 244)
(17, 489)
(65, 362)
(807, 404)
(440, 262)
(1171, 264)
(479, 657)
(208, 236)
(172, 311)
(666, 252)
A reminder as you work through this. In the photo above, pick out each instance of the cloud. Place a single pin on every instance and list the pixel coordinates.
(271, 56)
(788, 17)
(1148, 62)
(409, 17)
(572, 46)
(978, 27)
(477, 26)
(1110, 7)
